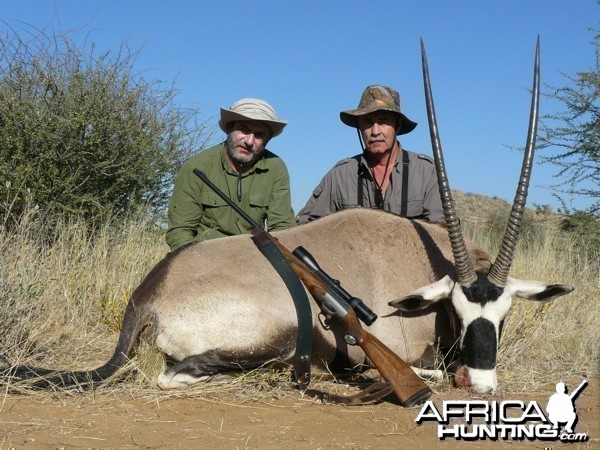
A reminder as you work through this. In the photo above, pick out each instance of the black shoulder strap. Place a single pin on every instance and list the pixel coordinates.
(360, 181)
(303, 311)
(404, 199)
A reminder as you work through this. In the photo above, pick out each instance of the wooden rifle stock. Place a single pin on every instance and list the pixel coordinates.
(405, 383)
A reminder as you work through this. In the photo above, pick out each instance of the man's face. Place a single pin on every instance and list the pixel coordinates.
(378, 131)
(246, 141)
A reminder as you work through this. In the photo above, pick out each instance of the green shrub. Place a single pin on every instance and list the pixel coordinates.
(584, 230)
(84, 134)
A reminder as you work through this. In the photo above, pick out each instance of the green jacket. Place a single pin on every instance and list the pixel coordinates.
(196, 213)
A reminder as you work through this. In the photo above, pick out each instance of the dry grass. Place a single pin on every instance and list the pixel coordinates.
(560, 338)
(62, 297)
(67, 287)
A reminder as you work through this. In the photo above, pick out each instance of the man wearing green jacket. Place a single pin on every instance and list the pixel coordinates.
(241, 166)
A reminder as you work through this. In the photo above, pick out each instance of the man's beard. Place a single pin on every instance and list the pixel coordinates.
(242, 160)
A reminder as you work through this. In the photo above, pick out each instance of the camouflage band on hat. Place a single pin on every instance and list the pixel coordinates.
(378, 98)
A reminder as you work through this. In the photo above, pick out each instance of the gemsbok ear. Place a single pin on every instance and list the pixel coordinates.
(537, 291)
(425, 296)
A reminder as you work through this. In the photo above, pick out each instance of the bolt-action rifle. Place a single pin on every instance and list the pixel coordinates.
(336, 304)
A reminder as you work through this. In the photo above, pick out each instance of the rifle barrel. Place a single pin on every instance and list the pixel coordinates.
(578, 389)
(227, 200)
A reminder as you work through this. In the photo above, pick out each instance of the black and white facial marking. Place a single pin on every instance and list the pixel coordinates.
(481, 309)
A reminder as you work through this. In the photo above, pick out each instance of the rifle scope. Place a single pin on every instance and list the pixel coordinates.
(363, 312)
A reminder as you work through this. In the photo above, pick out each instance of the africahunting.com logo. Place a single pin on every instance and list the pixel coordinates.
(508, 420)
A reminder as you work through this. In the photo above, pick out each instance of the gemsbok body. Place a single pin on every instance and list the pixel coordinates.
(219, 306)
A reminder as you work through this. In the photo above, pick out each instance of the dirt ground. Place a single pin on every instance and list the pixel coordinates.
(121, 419)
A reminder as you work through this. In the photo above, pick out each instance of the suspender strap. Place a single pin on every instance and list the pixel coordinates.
(404, 195)
(361, 179)
(303, 311)
(404, 199)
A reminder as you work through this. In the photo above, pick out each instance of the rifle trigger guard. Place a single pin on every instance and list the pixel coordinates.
(323, 321)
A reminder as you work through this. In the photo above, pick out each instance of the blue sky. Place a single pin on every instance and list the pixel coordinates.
(312, 59)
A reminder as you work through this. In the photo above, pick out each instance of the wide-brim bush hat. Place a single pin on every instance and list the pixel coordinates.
(378, 98)
(252, 109)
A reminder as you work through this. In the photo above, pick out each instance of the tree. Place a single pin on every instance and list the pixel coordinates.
(83, 133)
(575, 135)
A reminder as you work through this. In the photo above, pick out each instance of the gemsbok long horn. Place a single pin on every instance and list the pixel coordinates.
(500, 268)
(464, 268)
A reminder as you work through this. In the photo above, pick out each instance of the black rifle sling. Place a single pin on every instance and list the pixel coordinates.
(303, 311)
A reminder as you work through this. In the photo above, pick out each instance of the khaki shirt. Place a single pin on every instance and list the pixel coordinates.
(338, 190)
(196, 213)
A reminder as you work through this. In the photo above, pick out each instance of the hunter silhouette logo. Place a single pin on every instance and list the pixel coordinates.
(507, 420)
(561, 406)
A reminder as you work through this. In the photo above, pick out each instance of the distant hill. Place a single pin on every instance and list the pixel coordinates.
(476, 209)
